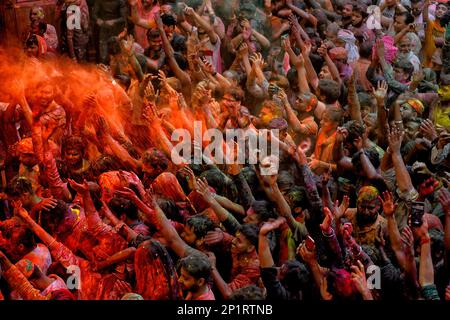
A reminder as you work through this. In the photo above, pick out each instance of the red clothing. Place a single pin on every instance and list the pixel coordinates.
(209, 295)
(245, 270)
(93, 285)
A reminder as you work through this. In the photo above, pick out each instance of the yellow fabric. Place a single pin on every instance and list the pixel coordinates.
(433, 30)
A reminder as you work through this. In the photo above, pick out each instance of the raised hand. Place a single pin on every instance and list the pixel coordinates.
(271, 225)
(46, 204)
(126, 193)
(242, 50)
(190, 176)
(286, 44)
(203, 190)
(20, 212)
(325, 226)
(395, 139)
(359, 278)
(408, 241)
(308, 256)
(80, 188)
(428, 130)
(341, 134)
(339, 210)
(158, 20)
(388, 203)
(381, 91)
(380, 48)
(257, 60)
(149, 93)
(214, 237)
(208, 67)
(323, 50)
(189, 11)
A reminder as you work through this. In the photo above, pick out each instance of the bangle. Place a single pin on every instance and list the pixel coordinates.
(330, 235)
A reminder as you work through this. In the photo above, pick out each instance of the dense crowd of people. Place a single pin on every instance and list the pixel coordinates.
(356, 94)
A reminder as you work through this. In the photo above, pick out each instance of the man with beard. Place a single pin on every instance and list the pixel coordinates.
(366, 218)
(37, 17)
(194, 274)
(405, 52)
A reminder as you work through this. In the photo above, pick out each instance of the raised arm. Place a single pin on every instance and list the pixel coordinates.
(323, 51)
(353, 101)
(299, 63)
(403, 178)
(179, 73)
(137, 19)
(231, 224)
(17, 281)
(160, 221)
(393, 232)
(426, 267)
(380, 96)
(202, 23)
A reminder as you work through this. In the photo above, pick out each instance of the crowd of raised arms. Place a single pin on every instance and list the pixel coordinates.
(94, 204)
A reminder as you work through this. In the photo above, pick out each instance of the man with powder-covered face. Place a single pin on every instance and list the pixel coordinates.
(366, 218)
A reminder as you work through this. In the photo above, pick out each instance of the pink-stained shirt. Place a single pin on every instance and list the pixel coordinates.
(208, 295)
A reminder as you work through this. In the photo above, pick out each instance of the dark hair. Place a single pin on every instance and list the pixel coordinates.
(197, 265)
(170, 209)
(264, 210)
(405, 65)
(330, 89)
(180, 59)
(361, 8)
(168, 20)
(155, 157)
(335, 114)
(113, 45)
(365, 49)
(247, 293)
(31, 41)
(121, 206)
(409, 18)
(437, 242)
(297, 276)
(51, 219)
(355, 130)
(73, 142)
(297, 197)
(18, 186)
(152, 33)
(104, 164)
(236, 93)
(24, 235)
(292, 76)
(285, 180)
(373, 156)
(200, 225)
(251, 233)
